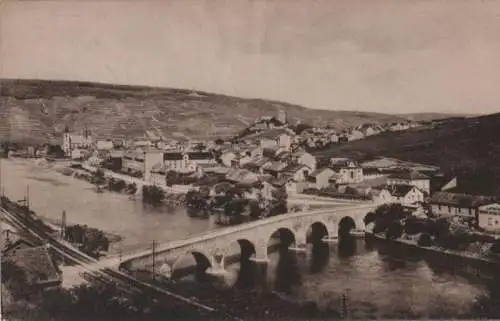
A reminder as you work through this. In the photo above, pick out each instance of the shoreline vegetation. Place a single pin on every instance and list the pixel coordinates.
(392, 223)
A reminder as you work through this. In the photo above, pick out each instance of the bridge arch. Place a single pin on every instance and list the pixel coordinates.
(316, 231)
(246, 249)
(202, 261)
(283, 236)
(346, 224)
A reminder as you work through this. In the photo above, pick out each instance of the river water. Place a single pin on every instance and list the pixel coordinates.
(376, 281)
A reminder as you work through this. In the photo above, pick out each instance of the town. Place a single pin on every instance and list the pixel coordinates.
(269, 169)
(269, 156)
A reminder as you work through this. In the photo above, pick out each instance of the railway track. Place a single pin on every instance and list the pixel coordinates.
(28, 222)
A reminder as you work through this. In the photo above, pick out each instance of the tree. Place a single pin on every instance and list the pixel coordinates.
(369, 218)
(15, 279)
(152, 194)
(414, 226)
(495, 247)
(219, 141)
(99, 176)
(255, 209)
(394, 230)
(171, 178)
(132, 188)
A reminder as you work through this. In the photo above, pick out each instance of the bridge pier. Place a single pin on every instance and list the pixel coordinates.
(300, 245)
(217, 267)
(260, 256)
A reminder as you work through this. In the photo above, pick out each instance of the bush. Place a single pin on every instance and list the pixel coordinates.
(369, 218)
(152, 194)
(394, 231)
(132, 188)
(495, 247)
(90, 240)
(425, 240)
(414, 226)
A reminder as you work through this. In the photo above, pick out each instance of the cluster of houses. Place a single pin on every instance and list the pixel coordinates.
(35, 260)
(319, 137)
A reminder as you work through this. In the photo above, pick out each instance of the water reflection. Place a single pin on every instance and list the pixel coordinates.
(320, 255)
(347, 246)
(247, 275)
(287, 272)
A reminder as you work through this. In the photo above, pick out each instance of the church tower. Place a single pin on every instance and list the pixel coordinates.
(66, 143)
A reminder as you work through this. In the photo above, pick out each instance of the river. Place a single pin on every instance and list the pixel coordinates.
(376, 280)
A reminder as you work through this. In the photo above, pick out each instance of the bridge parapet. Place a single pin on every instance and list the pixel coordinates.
(211, 248)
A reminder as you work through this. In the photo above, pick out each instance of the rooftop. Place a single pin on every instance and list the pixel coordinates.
(37, 264)
(460, 200)
(412, 175)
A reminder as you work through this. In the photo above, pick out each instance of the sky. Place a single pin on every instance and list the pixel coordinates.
(395, 56)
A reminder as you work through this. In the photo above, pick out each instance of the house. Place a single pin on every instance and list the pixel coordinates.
(227, 158)
(267, 190)
(104, 145)
(405, 194)
(274, 168)
(73, 141)
(334, 138)
(157, 174)
(348, 170)
(489, 217)
(36, 262)
(242, 176)
(201, 157)
(284, 140)
(267, 143)
(297, 172)
(133, 162)
(178, 162)
(152, 158)
(369, 131)
(356, 135)
(320, 178)
(304, 158)
(464, 206)
(413, 178)
(142, 143)
(78, 153)
(12, 241)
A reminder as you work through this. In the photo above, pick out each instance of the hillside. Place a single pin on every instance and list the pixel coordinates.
(36, 110)
(469, 147)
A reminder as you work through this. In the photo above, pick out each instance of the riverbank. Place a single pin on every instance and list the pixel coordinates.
(471, 257)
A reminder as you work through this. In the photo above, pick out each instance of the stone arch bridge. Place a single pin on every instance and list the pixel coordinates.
(211, 249)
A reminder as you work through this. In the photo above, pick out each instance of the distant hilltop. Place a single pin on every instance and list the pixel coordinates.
(39, 110)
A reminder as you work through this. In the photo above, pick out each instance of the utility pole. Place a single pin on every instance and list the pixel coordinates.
(154, 259)
(28, 197)
(63, 225)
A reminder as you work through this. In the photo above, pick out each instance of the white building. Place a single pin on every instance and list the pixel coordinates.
(104, 145)
(304, 158)
(320, 178)
(406, 195)
(152, 158)
(71, 141)
(489, 217)
(348, 170)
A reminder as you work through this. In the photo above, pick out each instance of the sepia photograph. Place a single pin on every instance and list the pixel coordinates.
(249, 160)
